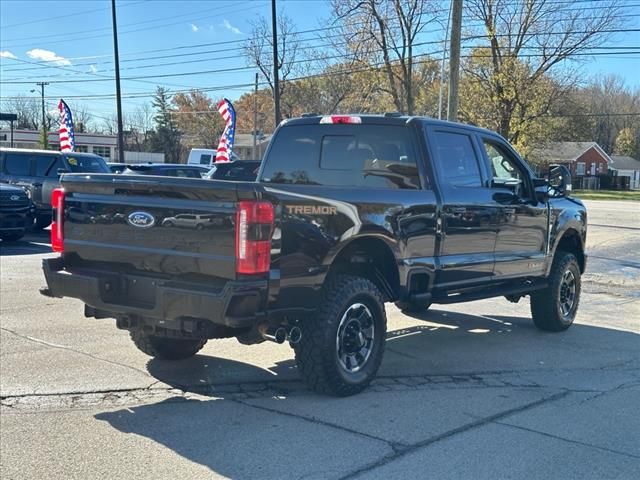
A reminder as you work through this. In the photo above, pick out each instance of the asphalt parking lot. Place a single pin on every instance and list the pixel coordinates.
(465, 391)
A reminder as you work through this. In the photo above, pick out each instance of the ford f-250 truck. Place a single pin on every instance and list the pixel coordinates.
(347, 213)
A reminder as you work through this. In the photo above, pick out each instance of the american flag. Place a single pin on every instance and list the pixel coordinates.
(67, 137)
(226, 141)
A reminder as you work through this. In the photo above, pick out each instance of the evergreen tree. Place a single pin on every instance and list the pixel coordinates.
(166, 137)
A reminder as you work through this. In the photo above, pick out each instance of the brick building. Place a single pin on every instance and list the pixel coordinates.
(586, 161)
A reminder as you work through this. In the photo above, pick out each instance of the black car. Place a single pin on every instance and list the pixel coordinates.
(39, 172)
(16, 212)
(117, 167)
(240, 170)
(166, 170)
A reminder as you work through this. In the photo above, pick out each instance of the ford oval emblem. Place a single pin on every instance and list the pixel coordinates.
(14, 198)
(141, 219)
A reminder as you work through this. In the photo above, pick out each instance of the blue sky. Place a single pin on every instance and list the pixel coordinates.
(37, 44)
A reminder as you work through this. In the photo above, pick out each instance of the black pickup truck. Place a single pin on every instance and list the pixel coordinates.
(348, 212)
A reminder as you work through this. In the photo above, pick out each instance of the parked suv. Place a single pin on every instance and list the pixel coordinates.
(16, 213)
(39, 172)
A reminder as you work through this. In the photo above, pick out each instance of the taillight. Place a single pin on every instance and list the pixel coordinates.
(254, 226)
(57, 224)
(335, 119)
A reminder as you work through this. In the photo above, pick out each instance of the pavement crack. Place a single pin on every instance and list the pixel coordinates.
(450, 433)
(395, 446)
(568, 440)
(71, 349)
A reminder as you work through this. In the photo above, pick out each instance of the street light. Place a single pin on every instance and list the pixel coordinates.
(44, 118)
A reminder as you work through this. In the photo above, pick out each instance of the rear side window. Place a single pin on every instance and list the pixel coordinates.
(205, 159)
(456, 159)
(16, 164)
(371, 156)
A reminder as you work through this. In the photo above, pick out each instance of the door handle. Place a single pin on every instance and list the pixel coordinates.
(459, 210)
(509, 211)
(36, 184)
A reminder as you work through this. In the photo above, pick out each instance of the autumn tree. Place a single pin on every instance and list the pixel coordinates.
(519, 68)
(385, 32)
(628, 143)
(244, 107)
(198, 119)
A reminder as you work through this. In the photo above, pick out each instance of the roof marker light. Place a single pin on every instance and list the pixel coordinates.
(335, 119)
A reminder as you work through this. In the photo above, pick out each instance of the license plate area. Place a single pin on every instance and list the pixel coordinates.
(129, 290)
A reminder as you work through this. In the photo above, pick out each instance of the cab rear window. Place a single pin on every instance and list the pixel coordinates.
(86, 164)
(371, 156)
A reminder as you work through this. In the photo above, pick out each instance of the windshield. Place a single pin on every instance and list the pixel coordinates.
(86, 164)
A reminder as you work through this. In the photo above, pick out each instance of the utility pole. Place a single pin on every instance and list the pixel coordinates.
(444, 56)
(44, 117)
(454, 59)
(45, 130)
(118, 97)
(255, 119)
(276, 67)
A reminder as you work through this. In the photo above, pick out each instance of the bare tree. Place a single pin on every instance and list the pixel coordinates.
(532, 40)
(139, 126)
(384, 32)
(259, 49)
(82, 117)
(28, 111)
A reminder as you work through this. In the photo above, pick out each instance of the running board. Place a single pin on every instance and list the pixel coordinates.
(472, 294)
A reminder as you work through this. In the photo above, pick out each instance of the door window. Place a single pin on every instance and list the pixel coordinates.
(205, 159)
(16, 164)
(456, 159)
(505, 169)
(43, 162)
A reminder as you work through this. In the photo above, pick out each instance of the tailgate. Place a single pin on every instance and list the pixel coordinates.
(164, 225)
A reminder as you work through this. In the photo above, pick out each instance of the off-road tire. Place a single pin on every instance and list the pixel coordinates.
(11, 237)
(165, 347)
(317, 352)
(42, 222)
(546, 307)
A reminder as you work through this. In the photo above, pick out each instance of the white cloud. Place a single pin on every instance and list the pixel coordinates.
(47, 56)
(7, 54)
(93, 68)
(194, 27)
(230, 27)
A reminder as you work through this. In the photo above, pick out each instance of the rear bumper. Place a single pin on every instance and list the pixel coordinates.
(236, 304)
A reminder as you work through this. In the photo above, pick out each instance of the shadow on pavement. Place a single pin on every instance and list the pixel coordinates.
(267, 438)
(33, 243)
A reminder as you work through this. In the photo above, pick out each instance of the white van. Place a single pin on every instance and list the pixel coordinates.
(205, 156)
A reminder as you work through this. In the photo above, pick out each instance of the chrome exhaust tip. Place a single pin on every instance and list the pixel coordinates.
(295, 335)
(273, 334)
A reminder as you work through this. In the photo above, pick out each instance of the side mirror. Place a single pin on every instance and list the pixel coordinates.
(559, 180)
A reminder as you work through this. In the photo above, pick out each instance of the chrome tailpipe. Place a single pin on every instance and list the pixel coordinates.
(273, 334)
(280, 334)
(295, 335)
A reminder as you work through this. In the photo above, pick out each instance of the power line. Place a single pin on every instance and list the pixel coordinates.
(48, 19)
(252, 68)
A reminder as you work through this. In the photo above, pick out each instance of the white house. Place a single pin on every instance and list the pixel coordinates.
(623, 166)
